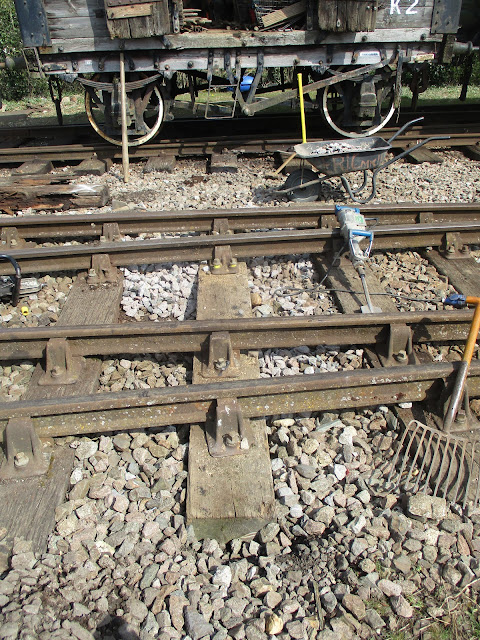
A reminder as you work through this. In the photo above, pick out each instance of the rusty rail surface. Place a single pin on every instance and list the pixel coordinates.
(191, 336)
(460, 135)
(140, 221)
(101, 413)
(243, 245)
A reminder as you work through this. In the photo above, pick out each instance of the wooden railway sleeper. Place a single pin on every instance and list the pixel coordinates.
(61, 367)
(227, 432)
(24, 453)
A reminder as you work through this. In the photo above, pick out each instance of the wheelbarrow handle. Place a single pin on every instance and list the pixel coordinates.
(17, 278)
(310, 183)
(409, 150)
(404, 128)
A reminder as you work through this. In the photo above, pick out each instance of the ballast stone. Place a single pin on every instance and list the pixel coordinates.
(430, 507)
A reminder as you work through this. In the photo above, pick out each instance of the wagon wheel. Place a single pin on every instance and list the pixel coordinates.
(343, 111)
(294, 182)
(145, 110)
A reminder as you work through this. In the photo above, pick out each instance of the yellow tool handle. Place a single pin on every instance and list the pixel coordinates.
(302, 108)
(474, 329)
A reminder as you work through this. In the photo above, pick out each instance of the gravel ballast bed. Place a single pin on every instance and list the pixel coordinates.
(122, 563)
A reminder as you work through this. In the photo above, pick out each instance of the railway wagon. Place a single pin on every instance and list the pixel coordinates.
(351, 54)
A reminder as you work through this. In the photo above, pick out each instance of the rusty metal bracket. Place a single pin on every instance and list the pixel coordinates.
(397, 348)
(60, 366)
(11, 239)
(425, 217)
(110, 232)
(219, 357)
(465, 422)
(220, 227)
(454, 247)
(24, 456)
(223, 261)
(328, 221)
(227, 433)
(102, 270)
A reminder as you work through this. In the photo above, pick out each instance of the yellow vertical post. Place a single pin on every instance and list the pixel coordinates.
(123, 108)
(302, 108)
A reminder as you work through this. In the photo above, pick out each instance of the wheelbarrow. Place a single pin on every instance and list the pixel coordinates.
(334, 158)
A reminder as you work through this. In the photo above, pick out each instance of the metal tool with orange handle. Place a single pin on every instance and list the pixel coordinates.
(441, 462)
(460, 301)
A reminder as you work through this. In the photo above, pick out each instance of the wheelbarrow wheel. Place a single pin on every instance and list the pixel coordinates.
(295, 181)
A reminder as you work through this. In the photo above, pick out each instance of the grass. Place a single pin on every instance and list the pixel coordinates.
(438, 632)
(380, 569)
(417, 603)
(396, 635)
(474, 621)
(380, 606)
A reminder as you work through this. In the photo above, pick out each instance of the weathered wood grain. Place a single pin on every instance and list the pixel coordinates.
(28, 506)
(18, 195)
(278, 16)
(462, 273)
(138, 20)
(129, 11)
(228, 497)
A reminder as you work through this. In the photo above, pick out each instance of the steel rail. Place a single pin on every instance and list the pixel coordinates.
(279, 122)
(243, 245)
(139, 221)
(101, 413)
(191, 336)
(460, 135)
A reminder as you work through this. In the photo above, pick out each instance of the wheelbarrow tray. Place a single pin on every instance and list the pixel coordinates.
(359, 155)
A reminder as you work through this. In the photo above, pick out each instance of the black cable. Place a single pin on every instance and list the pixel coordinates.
(296, 291)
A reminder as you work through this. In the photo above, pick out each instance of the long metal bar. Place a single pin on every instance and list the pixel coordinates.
(300, 216)
(100, 413)
(123, 111)
(243, 245)
(247, 333)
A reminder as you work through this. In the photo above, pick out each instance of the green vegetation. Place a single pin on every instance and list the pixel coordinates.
(444, 75)
(15, 85)
(396, 635)
(439, 632)
(417, 603)
(474, 622)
